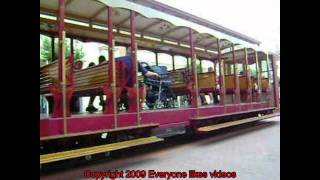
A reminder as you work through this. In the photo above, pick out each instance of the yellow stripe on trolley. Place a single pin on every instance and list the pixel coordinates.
(47, 158)
(233, 123)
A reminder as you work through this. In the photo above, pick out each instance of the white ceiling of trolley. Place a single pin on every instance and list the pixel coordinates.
(149, 22)
(239, 55)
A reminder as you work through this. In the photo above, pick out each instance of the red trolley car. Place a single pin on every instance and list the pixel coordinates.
(238, 96)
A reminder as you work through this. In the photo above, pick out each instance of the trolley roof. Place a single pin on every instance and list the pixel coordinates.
(190, 17)
(158, 26)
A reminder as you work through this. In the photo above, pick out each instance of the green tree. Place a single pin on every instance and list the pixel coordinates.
(56, 47)
(78, 50)
(45, 49)
(199, 68)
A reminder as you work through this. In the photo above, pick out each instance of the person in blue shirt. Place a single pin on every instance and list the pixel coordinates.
(128, 61)
(124, 98)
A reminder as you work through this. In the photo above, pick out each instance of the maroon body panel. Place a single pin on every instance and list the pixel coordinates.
(165, 118)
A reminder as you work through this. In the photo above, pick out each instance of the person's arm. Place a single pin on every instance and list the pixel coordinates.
(146, 72)
(149, 73)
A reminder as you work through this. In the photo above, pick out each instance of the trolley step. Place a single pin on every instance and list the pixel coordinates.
(234, 123)
(48, 158)
(228, 114)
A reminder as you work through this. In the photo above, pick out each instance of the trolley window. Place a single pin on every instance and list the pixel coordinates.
(147, 56)
(180, 62)
(165, 60)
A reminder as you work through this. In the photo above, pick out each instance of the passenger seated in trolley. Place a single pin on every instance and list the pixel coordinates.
(127, 60)
(91, 107)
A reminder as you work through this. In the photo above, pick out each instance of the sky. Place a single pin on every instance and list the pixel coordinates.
(259, 19)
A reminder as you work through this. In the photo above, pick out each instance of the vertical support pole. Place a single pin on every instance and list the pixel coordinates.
(52, 48)
(194, 79)
(215, 95)
(260, 69)
(275, 83)
(173, 67)
(61, 61)
(188, 67)
(60, 32)
(157, 58)
(221, 76)
(236, 77)
(133, 48)
(64, 85)
(258, 72)
(71, 46)
(76, 101)
(248, 75)
(268, 68)
(268, 79)
(112, 70)
(215, 69)
(200, 64)
(134, 71)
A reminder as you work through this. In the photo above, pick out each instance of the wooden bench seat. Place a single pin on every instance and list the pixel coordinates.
(49, 75)
(93, 81)
(180, 79)
(243, 83)
(264, 84)
(80, 82)
(90, 80)
(84, 80)
(230, 84)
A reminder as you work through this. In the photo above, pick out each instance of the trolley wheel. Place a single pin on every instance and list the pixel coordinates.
(88, 157)
(107, 154)
(190, 131)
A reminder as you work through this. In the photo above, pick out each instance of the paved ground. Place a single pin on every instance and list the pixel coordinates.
(252, 152)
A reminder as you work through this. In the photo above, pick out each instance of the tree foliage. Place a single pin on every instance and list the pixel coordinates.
(45, 49)
(46, 53)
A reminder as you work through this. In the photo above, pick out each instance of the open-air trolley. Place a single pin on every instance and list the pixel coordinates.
(200, 99)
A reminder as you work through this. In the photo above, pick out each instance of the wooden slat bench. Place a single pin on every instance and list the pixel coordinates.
(181, 79)
(80, 82)
(243, 83)
(93, 80)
